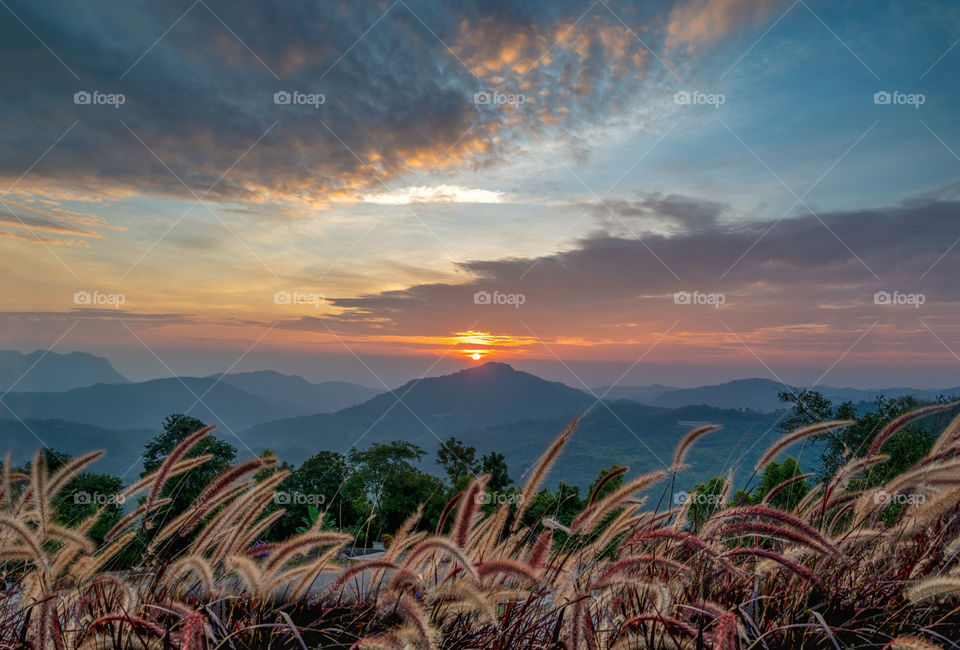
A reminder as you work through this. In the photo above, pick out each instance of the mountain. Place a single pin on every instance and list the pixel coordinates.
(755, 394)
(496, 408)
(642, 394)
(123, 448)
(147, 403)
(761, 395)
(298, 395)
(492, 391)
(46, 371)
(432, 408)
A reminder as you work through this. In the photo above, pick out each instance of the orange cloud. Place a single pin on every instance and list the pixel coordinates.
(699, 23)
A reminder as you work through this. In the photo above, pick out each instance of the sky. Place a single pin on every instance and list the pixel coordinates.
(610, 192)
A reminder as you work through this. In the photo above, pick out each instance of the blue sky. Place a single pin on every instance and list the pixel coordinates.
(597, 196)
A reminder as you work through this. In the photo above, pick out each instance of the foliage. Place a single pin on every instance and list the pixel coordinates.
(905, 448)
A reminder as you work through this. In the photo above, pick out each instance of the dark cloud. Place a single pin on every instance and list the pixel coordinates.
(202, 93)
(805, 278)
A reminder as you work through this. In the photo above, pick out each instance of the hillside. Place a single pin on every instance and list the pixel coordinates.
(298, 395)
(123, 448)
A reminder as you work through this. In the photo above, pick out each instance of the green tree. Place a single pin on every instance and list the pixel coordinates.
(611, 485)
(318, 482)
(379, 471)
(774, 474)
(495, 465)
(807, 407)
(82, 495)
(185, 488)
(704, 499)
(840, 446)
(562, 505)
(457, 460)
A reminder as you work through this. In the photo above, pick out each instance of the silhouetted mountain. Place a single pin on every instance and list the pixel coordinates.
(431, 408)
(145, 404)
(493, 391)
(298, 395)
(50, 371)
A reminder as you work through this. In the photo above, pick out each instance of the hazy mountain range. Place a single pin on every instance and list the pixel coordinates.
(48, 371)
(492, 407)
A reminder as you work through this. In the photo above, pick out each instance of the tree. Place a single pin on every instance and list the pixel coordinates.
(611, 485)
(704, 499)
(773, 475)
(457, 460)
(381, 467)
(840, 446)
(495, 464)
(808, 407)
(561, 506)
(318, 482)
(184, 489)
(82, 495)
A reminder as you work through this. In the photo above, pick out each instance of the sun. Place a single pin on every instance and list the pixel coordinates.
(476, 356)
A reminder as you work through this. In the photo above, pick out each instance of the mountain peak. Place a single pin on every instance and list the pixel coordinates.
(492, 391)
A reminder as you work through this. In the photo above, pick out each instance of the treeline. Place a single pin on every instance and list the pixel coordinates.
(367, 492)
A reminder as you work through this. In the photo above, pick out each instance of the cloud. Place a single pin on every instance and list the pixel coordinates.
(793, 285)
(398, 84)
(700, 23)
(435, 194)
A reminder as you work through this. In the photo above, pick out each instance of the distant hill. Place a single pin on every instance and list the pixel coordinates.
(51, 371)
(298, 395)
(123, 448)
(145, 404)
(642, 394)
(757, 394)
